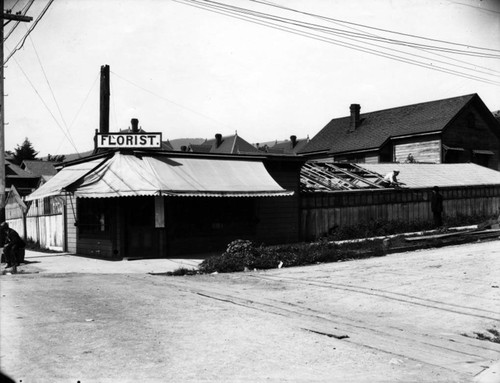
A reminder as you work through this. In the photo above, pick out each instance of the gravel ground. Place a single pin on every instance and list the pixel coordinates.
(406, 317)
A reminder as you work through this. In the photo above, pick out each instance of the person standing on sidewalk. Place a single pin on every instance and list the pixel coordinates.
(437, 206)
(13, 242)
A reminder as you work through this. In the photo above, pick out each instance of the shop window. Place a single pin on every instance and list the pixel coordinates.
(94, 216)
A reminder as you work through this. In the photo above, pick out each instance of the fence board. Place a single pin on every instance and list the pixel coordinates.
(396, 205)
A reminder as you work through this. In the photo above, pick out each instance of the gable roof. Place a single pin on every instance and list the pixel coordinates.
(39, 168)
(288, 147)
(13, 170)
(376, 127)
(229, 145)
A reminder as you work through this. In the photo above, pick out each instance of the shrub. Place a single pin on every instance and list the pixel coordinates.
(242, 254)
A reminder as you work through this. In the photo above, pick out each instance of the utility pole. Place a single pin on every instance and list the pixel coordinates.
(11, 17)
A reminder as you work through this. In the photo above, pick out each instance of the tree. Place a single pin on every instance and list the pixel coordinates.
(25, 151)
(56, 158)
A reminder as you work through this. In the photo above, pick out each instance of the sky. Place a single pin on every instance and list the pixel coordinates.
(187, 69)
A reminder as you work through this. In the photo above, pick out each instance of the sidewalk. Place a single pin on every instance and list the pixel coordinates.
(38, 262)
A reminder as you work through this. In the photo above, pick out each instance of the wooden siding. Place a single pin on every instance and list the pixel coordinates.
(372, 159)
(70, 224)
(422, 151)
(101, 248)
(321, 212)
(470, 131)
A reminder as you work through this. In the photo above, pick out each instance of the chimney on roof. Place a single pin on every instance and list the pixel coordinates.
(135, 125)
(355, 120)
(294, 141)
(218, 140)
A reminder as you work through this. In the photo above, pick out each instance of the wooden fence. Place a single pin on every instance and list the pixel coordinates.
(322, 211)
(43, 222)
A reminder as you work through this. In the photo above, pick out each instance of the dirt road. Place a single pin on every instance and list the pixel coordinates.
(408, 317)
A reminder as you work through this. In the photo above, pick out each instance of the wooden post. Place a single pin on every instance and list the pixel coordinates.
(16, 17)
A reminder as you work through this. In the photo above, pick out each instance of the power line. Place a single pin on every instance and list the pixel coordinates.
(23, 12)
(52, 93)
(243, 14)
(81, 106)
(44, 103)
(168, 100)
(21, 43)
(369, 27)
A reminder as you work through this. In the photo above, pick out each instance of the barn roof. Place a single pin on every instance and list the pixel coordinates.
(376, 127)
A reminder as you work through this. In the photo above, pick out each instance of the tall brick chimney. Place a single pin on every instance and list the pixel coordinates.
(355, 119)
(294, 140)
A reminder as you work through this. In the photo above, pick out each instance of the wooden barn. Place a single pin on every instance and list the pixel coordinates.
(455, 130)
(165, 204)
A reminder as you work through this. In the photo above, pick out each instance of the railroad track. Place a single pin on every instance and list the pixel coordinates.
(450, 351)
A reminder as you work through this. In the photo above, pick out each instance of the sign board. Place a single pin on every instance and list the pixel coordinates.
(128, 140)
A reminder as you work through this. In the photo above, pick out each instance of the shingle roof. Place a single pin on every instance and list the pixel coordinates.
(376, 127)
(442, 175)
(11, 169)
(39, 168)
(286, 146)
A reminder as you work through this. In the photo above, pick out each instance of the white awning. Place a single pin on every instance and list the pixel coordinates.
(65, 177)
(128, 175)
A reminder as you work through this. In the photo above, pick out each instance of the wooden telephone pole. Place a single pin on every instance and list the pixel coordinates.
(14, 17)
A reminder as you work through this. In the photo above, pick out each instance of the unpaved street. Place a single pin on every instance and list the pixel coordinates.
(399, 318)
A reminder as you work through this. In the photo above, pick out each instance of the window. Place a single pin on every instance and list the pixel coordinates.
(94, 216)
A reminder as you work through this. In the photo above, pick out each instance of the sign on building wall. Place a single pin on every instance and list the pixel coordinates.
(128, 140)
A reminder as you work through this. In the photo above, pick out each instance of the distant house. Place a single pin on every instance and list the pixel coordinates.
(233, 144)
(178, 144)
(42, 169)
(289, 147)
(453, 130)
(24, 181)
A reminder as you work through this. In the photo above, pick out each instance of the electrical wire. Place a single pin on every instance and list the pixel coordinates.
(81, 107)
(23, 12)
(33, 26)
(323, 28)
(44, 103)
(369, 27)
(236, 12)
(168, 100)
(52, 93)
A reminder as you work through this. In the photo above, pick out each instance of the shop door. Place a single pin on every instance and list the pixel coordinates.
(141, 236)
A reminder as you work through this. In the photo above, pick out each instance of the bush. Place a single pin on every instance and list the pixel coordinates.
(243, 254)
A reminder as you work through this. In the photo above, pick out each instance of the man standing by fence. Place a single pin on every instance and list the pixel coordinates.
(437, 206)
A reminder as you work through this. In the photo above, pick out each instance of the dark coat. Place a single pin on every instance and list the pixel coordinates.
(436, 202)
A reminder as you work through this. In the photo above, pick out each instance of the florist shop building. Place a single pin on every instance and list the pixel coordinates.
(156, 204)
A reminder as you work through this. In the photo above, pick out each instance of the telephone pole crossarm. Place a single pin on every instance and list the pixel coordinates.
(10, 16)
